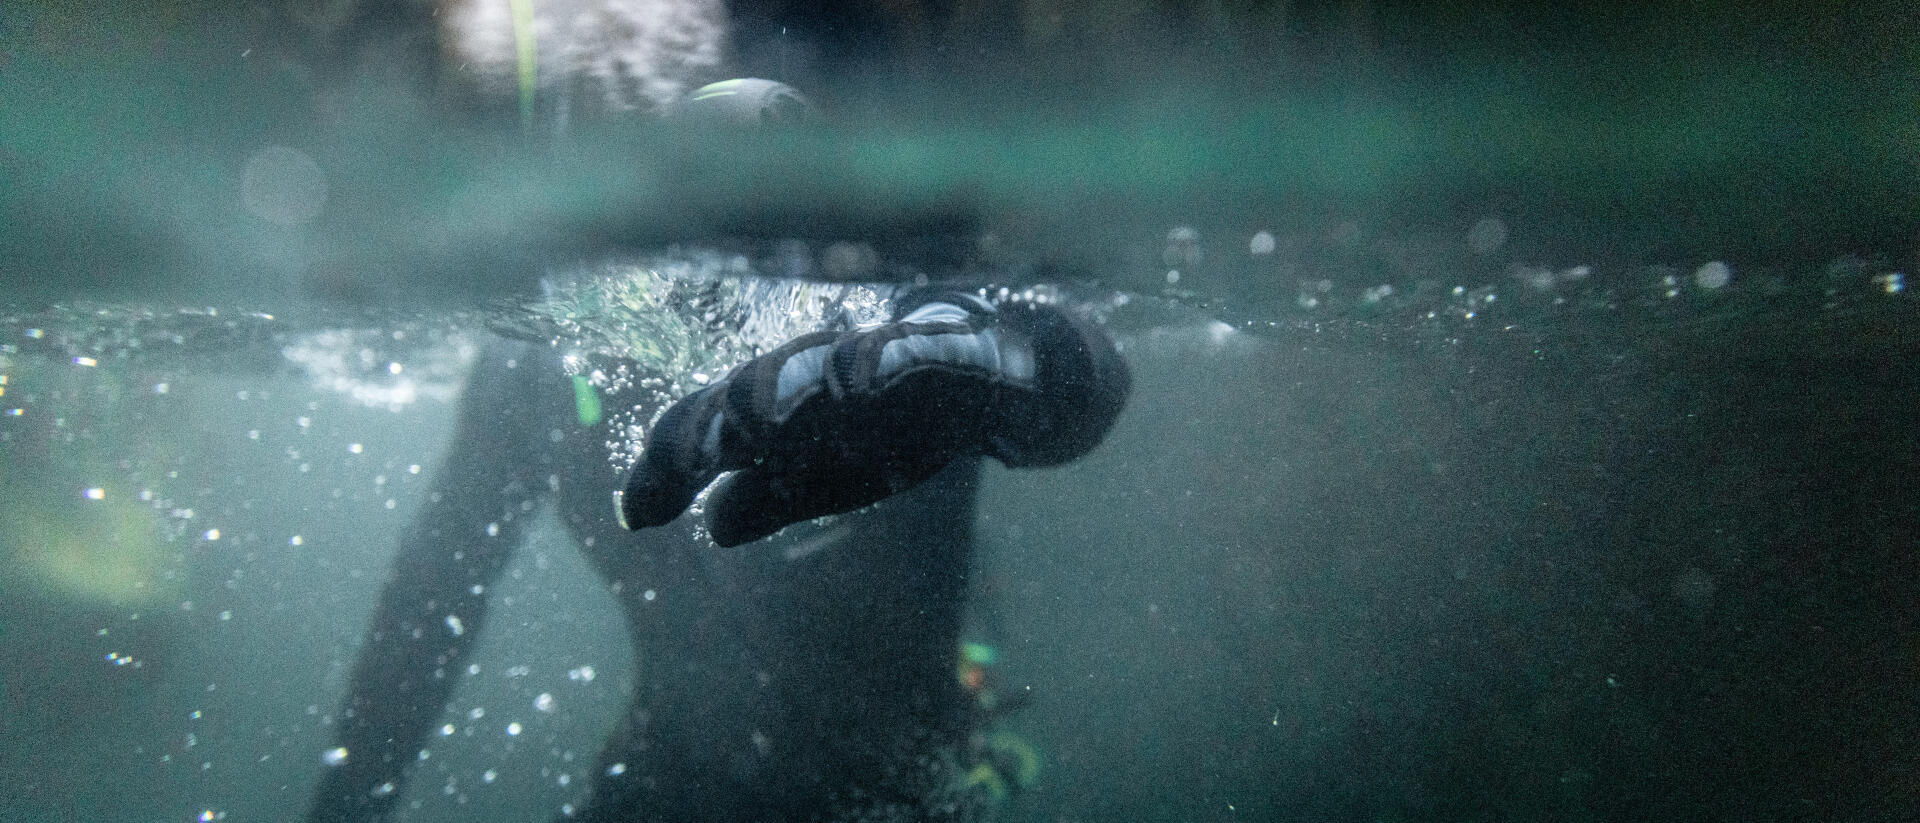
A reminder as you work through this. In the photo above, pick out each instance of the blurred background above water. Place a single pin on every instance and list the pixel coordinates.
(362, 151)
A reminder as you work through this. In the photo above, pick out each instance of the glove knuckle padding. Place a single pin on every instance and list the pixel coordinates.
(755, 408)
(901, 420)
(875, 421)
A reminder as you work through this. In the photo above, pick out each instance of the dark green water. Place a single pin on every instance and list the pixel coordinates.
(1595, 561)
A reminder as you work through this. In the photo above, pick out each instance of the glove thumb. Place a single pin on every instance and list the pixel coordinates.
(676, 464)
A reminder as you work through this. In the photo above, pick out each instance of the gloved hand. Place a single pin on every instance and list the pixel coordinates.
(834, 421)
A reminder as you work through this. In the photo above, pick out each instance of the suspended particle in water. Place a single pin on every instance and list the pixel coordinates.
(1712, 275)
(543, 703)
(513, 729)
(1695, 588)
(1487, 235)
(334, 756)
(1182, 247)
(1262, 243)
(283, 185)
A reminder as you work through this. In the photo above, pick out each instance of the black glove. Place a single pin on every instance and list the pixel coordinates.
(834, 421)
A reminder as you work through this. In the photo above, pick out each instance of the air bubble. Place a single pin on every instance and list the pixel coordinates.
(283, 185)
(1712, 275)
(1487, 235)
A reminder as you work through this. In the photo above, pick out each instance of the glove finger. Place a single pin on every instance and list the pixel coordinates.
(753, 503)
(679, 460)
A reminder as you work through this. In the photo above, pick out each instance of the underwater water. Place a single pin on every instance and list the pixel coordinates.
(1603, 546)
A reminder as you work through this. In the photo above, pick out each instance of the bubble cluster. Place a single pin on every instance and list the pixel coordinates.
(652, 332)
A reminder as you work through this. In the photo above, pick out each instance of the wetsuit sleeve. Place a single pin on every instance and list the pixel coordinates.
(434, 602)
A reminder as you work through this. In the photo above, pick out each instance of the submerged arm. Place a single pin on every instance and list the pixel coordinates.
(435, 600)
